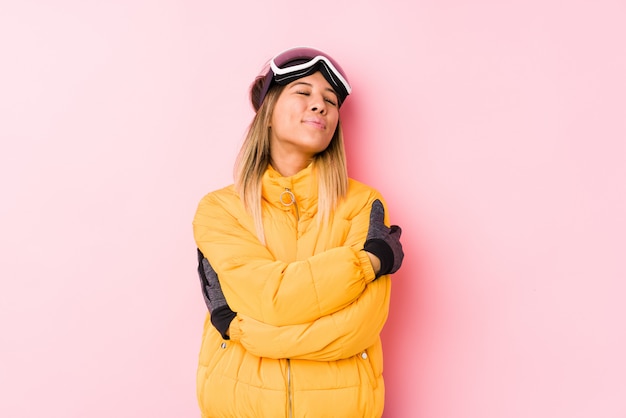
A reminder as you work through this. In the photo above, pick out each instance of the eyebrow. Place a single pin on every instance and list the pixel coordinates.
(329, 89)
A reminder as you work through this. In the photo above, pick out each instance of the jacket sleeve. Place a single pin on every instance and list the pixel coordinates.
(333, 337)
(272, 291)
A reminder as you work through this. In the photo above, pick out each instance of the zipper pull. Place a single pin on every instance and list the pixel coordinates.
(287, 198)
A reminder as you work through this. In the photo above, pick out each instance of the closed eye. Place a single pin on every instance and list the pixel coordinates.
(308, 93)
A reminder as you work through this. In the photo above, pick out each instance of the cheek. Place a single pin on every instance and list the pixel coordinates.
(334, 123)
(278, 119)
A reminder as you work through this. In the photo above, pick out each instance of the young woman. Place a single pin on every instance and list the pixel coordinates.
(294, 260)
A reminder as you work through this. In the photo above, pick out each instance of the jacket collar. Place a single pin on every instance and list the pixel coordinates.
(303, 185)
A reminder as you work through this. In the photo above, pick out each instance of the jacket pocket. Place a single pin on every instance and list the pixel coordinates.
(366, 368)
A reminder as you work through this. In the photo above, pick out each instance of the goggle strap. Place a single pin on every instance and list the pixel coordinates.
(305, 66)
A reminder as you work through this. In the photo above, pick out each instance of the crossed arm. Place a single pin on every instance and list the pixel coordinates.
(328, 303)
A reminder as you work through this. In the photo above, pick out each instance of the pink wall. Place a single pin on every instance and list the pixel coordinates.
(496, 131)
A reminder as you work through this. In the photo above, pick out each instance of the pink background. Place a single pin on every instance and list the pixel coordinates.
(495, 130)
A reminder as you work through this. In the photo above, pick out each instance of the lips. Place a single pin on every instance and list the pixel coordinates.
(318, 123)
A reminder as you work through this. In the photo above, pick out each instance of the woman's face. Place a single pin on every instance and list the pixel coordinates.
(304, 119)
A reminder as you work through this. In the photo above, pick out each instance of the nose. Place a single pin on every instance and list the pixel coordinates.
(318, 104)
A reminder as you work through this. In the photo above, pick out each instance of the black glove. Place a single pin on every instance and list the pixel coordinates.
(384, 241)
(221, 314)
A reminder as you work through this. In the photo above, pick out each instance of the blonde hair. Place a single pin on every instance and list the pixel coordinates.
(254, 158)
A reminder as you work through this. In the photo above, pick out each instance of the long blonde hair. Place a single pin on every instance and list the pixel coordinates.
(254, 157)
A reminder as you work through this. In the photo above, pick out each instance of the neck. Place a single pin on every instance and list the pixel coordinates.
(288, 166)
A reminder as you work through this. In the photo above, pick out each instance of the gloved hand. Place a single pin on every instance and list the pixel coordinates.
(221, 314)
(384, 241)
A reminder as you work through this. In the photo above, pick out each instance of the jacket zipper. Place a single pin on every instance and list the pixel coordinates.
(289, 397)
(287, 198)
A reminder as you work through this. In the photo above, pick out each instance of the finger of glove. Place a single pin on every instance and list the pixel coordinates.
(377, 227)
(393, 239)
(395, 229)
(398, 257)
(398, 252)
(213, 287)
(204, 284)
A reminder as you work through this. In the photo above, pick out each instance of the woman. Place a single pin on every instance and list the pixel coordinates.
(294, 260)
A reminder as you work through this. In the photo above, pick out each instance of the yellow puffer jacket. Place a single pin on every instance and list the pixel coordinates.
(305, 341)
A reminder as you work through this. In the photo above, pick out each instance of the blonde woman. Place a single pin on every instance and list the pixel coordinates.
(294, 260)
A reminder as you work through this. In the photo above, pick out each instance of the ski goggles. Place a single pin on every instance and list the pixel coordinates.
(296, 63)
